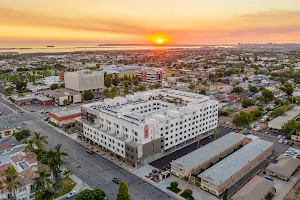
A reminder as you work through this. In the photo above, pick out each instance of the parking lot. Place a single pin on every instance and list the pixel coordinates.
(164, 162)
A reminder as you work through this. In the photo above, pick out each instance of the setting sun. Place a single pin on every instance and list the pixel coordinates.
(159, 39)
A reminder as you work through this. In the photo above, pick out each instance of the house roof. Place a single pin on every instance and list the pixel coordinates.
(284, 165)
(257, 188)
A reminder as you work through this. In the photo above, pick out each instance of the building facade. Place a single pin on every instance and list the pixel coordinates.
(141, 127)
(85, 80)
(152, 75)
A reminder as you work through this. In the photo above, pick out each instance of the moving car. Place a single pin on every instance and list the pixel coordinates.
(116, 180)
(89, 151)
(72, 194)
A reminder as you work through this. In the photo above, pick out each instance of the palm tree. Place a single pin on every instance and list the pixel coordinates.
(53, 159)
(68, 173)
(29, 146)
(43, 182)
(40, 140)
(10, 180)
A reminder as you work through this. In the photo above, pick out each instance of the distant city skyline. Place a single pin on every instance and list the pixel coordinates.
(93, 22)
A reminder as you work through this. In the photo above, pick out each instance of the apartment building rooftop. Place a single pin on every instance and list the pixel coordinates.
(68, 112)
(223, 170)
(201, 155)
(129, 108)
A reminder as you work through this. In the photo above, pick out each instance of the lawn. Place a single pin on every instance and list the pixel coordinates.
(175, 190)
(65, 186)
(187, 196)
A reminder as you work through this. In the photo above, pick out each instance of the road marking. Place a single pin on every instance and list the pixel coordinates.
(9, 108)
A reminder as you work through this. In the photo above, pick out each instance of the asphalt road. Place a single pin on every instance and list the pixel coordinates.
(165, 161)
(94, 170)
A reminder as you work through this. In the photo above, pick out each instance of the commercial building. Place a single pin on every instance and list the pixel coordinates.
(278, 122)
(204, 157)
(152, 75)
(85, 80)
(258, 188)
(65, 116)
(283, 167)
(142, 126)
(62, 96)
(228, 171)
(26, 165)
(6, 129)
(33, 99)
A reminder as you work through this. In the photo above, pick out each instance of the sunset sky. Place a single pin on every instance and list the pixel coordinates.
(134, 21)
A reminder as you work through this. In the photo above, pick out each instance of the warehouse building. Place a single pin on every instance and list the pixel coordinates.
(203, 157)
(228, 171)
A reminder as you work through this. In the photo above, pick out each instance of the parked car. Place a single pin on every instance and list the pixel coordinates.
(72, 194)
(268, 178)
(18, 127)
(89, 151)
(280, 141)
(116, 180)
(279, 136)
(285, 142)
(298, 156)
(291, 143)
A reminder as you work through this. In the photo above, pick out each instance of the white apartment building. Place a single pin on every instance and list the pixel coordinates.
(141, 127)
(84, 80)
(152, 75)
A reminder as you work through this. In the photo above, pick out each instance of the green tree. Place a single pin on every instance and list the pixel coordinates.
(88, 95)
(246, 102)
(125, 91)
(62, 85)
(67, 173)
(242, 119)
(66, 102)
(88, 194)
(253, 89)
(29, 144)
(107, 81)
(22, 135)
(192, 86)
(21, 85)
(142, 88)
(10, 180)
(277, 112)
(267, 94)
(9, 90)
(43, 182)
(288, 88)
(123, 191)
(126, 83)
(289, 127)
(135, 81)
(277, 102)
(115, 80)
(53, 86)
(257, 113)
(237, 89)
(39, 140)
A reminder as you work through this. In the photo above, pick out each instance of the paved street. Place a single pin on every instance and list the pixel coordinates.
(92, 169)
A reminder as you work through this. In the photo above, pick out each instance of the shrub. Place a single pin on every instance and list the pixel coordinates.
(174, 184)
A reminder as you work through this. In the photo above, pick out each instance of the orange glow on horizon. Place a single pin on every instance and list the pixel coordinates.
(159, 39)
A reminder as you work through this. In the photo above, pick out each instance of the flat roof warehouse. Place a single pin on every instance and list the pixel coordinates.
(201, 155)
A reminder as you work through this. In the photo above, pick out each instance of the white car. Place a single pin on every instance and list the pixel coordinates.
(285, 142)
(280, 141)
(279, 136)
(72, 194)
(283, 137)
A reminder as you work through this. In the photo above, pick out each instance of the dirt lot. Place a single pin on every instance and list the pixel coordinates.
(294, 194)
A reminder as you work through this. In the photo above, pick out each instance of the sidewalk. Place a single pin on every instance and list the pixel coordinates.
(80, 185)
